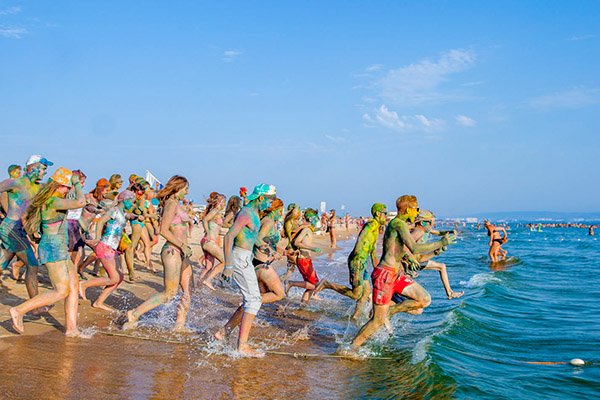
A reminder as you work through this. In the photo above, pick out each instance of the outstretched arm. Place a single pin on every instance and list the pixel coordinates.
(415, 247)
(7, 185)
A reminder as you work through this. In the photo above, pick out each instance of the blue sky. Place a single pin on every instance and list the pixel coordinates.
(471, 106)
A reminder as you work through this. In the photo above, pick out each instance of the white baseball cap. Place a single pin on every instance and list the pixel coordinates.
(36, 158)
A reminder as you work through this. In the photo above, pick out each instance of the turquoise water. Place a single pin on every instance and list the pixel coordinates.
(546, 307)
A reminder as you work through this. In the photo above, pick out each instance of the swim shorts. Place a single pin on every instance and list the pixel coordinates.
(13, 236)
(53, 248)
(386, 283)
(245, 277)
(305, 266)
(358, 271)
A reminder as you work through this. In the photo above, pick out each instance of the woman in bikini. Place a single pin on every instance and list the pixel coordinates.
(151, 226)
(265, 252)
(175, 254)
(213, 252)
(139, 207)
(48, 211)
(291, 222)
(496, 241)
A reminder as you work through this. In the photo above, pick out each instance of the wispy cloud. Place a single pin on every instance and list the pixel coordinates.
(569, 99)
(12, 32)
(581, 37)
(337, 139)
(231, 55)
(387, 118)
(420, 83)
(465, 121)
(374, 67)
(10, 10)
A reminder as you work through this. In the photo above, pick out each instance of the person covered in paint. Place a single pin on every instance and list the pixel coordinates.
(115, 182)
(175, 254)
(76, 243)
(213, 251)
(134, 205)
(47, 216)
(389, 277)
(303, 242)
(238, 245)
(364, 249)
(291, 224)
(14, 172)
(265, 252)
(109, 231)
(13, 239)
(423, 228)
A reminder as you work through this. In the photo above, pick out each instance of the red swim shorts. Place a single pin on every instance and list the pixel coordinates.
(305, 266)
(386, 282)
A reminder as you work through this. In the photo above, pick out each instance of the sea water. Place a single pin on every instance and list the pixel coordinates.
(543, 308)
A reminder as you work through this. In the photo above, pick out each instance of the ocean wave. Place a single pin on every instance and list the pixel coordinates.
(421, 349)
(479, 280)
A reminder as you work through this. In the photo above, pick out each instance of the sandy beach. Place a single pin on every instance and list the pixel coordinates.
(151, 362)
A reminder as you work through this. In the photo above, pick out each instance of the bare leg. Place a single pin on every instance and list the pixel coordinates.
(362, 300)
(245, 328)
(217, 252)
(418, 298)
(234, 321)
(147, 249)
(273, 288)
(59, 276)
(301, 284)
(31, 279)
(441, 267)
(291, 267)
(184, 303)
(171, 259)
(380, 315)
(136, 233)
(71, 302)
(111, 283)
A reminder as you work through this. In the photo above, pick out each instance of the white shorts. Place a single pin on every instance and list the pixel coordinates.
(245, 277)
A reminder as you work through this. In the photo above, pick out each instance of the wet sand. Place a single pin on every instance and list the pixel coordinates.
(43, 363)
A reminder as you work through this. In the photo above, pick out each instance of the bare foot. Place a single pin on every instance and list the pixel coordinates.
(73, 333)
(17, 320)
(131, 321)
(208, 284)
(82, 291)
(415, 312)
(41, 310)
(455, 295)
(102, 306)
(220, 335)
(314, 296)
(247, 351)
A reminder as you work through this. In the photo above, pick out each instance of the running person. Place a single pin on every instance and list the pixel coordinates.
(291, 222)
(213, 252)
(47, 212)
(389, 277)
(175, 254)
(238, 245)
(13, 239)
(364, 249)
(303, 242)
(423, 227)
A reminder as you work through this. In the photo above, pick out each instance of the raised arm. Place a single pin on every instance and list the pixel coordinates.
(415, 247)
(7, 184)
(69, 204)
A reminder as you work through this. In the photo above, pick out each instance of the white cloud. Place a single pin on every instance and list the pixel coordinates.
(374, 67)
(569, 99)
(231, 55)
(12, 32)
(419, 83)
(580, 38)
(465, 121)
(387, 118)
(337, 139)
(10, 10)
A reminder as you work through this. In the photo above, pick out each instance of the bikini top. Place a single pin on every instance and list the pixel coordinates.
(181, 217)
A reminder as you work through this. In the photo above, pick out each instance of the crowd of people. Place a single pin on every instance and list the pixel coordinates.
(52, 223)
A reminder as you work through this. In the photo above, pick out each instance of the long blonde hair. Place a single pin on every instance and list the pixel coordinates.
(33, 215)
(174, 185)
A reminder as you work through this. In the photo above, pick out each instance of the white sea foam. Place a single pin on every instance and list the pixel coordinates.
(479, 280)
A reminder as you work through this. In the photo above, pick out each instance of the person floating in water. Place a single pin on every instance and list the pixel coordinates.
(389, 277)
(364, 249)
(496, 252)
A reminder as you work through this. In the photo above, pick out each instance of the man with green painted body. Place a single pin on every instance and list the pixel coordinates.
(364, 249)
(389, 277)
(13, 239)
(238, 244)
